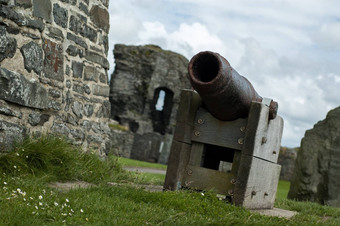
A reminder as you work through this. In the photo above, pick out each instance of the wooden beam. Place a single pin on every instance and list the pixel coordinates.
(207, 129)
(206, 179)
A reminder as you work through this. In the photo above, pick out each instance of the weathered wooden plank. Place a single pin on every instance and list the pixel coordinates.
(263, 136)
(256, 183)
(206, 179)
(207, 129)
(268, 140)
(187, 108)
(178, 160)
(196, 154)
(183, 132)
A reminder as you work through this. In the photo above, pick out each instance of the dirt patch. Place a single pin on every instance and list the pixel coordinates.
(65, 186)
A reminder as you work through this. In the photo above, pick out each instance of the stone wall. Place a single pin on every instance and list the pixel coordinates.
(53, 70)
(317, 169)
(287, 159)
(142, 75)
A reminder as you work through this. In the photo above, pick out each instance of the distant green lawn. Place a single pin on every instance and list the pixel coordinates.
(132, 162)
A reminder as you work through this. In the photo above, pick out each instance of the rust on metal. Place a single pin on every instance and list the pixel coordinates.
(226, 94)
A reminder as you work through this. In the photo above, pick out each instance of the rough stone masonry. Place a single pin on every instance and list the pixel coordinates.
(53, 71)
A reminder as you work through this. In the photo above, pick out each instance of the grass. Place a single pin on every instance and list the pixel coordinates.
(26, 198)
(137, 163)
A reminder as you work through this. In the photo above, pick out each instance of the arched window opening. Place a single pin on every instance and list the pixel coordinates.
(161, 108)
(160, 101)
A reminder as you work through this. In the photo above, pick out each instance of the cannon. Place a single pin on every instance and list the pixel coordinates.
(227, 137)
(226, 94)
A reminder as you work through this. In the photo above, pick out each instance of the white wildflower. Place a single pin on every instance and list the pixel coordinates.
(66, 200)
(40, 204)
(56, 204)
(81, 210)
(15, 166)
(40, 197)
(17, 154)
(36, 207)
(5, 182)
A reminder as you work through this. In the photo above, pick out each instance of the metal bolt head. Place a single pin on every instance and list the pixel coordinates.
(233, 181)
(240, 141)
(197, 133)
(264, 140)
(230, 192)
(266, 194)
(243, 128)
(274, 152)
(253, 193)
(200, 121)
(189, 172)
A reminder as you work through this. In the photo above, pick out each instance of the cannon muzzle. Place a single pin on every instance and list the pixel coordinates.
(226, 94)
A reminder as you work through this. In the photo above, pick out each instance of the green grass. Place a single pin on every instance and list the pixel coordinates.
(137, 163)
(26, 198)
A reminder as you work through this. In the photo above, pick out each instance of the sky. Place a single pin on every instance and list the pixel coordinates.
(288, 49)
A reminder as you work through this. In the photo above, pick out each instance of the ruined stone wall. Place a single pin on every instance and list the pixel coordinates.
(142, 74)
(53, 70)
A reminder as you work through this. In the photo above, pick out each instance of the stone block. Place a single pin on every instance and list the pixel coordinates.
(96, 58)
(77, 68)
(9, 112)
(77, 109)
(36, 118)
(103, 78)
(9, 133)
(72, 50)
(17, 89)
(84, 8)
(100, 90)
(88, 110)
(87, 89)
(42, 9)
(23, 3)
(100, 17)
(78, 88)
(33, 57)
(79, 26)
(77, 40)
(9, 13)
(60, 15)
(77, 134)
(8, 45)
(54, 60)
(90, 74)
(55, 33)
(54, 93)
(60, 128)
(54, 105)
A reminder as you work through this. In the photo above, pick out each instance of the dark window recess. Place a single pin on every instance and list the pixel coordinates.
(161, 107)
(217, 158)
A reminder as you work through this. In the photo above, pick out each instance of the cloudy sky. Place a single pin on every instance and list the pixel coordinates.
(288, 49)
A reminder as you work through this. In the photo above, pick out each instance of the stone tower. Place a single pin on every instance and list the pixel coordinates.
(144, 96)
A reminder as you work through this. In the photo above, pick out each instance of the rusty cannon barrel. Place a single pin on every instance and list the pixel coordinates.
(226, 94)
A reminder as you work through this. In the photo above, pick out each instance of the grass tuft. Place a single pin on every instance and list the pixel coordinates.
(54, 159)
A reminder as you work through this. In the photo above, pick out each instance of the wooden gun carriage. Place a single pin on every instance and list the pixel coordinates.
(248, 146)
